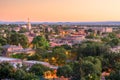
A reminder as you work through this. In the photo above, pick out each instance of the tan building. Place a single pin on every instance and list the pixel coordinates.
(28, 25)
(13, 49)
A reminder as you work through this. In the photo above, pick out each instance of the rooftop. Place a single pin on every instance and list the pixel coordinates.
(7, 59)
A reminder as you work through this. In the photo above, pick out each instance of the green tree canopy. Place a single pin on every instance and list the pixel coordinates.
(92, 49)
(59, 54)
(88, 68)
(22, 75)
(114, 42)
(40, 42)
(3, 41)
(16, 39)
(6, 70)
(65, 71)
(38, 69)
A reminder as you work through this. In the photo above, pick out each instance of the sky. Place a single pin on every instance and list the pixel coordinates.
(60, 10)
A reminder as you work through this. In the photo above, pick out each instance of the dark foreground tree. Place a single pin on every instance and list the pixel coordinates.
(6, 70)
(38, 69)
(22, 75)
(65, 71)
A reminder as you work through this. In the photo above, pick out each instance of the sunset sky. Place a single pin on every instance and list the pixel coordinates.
(60, 10)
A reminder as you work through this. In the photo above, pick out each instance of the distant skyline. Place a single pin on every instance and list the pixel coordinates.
(60, 10)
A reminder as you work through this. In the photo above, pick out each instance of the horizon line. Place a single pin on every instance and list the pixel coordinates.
(56, 21)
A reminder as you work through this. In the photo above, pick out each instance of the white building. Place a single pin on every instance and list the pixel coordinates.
(12, 61)
(15, 62)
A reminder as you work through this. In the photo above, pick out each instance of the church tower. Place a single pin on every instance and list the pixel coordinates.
(28, 25)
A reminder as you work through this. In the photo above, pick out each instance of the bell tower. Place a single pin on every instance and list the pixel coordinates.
(29, 25)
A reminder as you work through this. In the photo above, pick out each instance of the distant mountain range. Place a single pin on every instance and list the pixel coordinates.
(18, 22)
(67, 23)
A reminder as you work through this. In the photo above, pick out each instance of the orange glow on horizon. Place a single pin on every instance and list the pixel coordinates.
(60, 10)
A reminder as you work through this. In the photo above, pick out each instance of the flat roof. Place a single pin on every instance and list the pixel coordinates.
(7, 59)
(37, 62)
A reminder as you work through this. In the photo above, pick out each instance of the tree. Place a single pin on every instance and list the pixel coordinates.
(3, 41)
(88, 68)
(114, 42)
(6, 70)
(1, 50)
(56, 57)
(114, 62)
(77, 71)
(110, 59)
(67, 47)
(31, 76)
(115, 75)
(40, 51)
(23, 40)
(20, 55)
(65, 71)
(105, 39)
(59, 50)
(40, 42)
(92, 49)
(37, 57)
(112, 35)
(97, 63)
(90, 36)
(59, 55)
(16, 39)
(23, 30)
(19, 74)
(38, 69)
(22, 75)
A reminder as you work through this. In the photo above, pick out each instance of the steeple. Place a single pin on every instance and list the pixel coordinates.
(29, 25)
